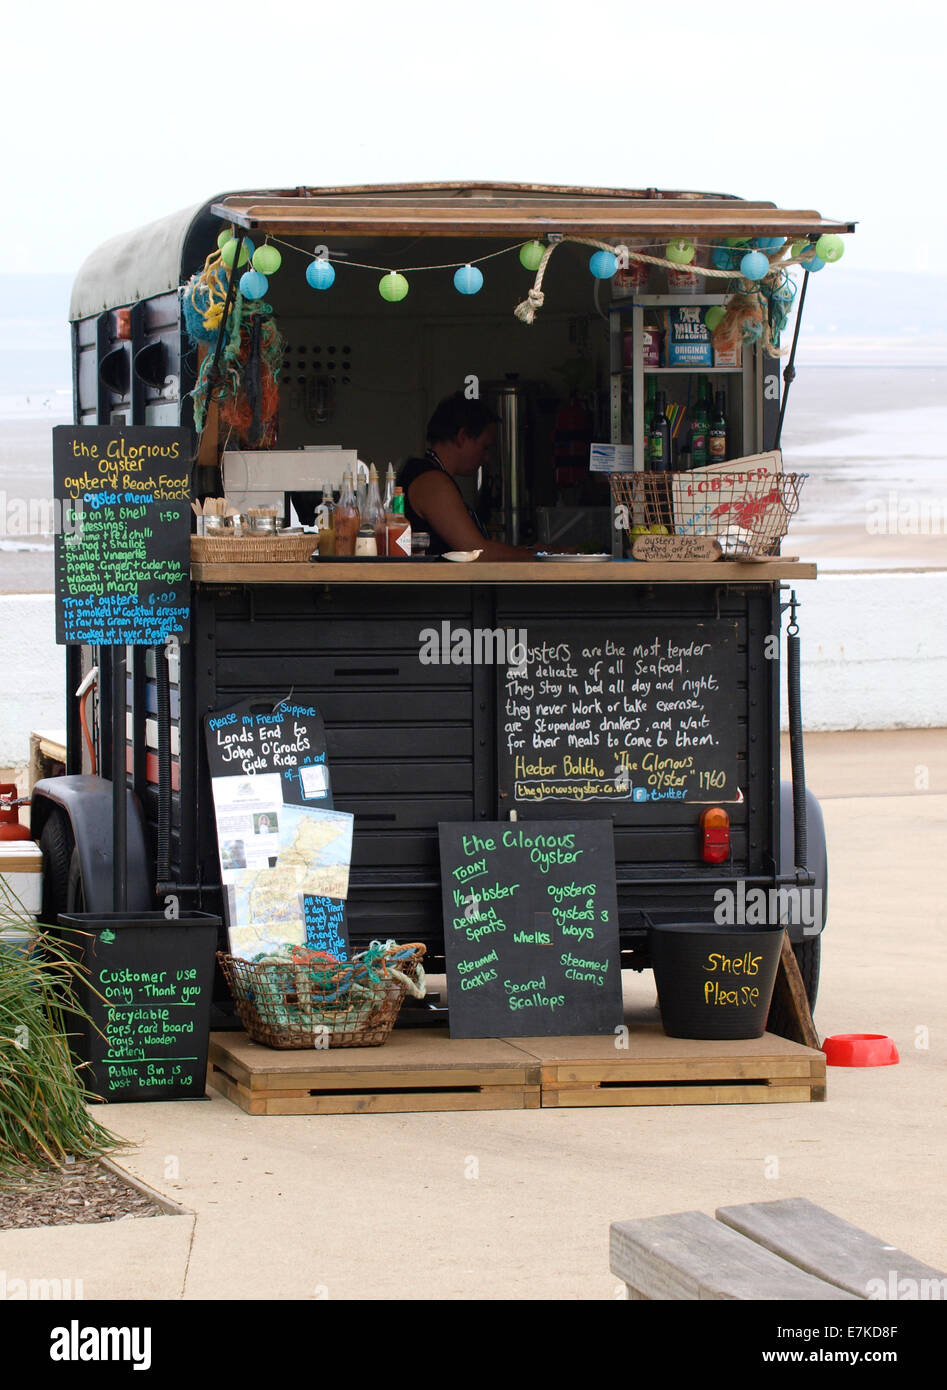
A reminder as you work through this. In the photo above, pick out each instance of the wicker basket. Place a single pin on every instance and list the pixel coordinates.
(316, 1001)
(243, 550)
(748, 515)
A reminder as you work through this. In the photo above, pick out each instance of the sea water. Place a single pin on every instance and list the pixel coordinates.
(873, 441)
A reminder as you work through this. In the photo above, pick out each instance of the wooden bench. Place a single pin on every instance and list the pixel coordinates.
(789, 1249)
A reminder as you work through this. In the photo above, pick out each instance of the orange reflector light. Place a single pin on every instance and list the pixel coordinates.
(715, 835)
(123, 323)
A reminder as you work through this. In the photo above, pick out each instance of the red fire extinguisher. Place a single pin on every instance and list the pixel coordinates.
(10, 803)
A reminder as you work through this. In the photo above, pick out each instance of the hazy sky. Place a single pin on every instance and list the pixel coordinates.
(115, 113)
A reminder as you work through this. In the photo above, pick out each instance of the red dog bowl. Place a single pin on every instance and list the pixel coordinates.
(860, 1050)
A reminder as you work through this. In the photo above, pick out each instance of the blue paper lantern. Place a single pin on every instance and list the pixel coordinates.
(468, 279)
(723, 258)
(253, 285)
(817, 263)
(320, 274)
(603, 265)
(754, 265)
(770, 243)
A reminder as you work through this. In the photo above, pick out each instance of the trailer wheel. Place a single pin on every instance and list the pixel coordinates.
(75, 891)
(58, 846)
(809, 958)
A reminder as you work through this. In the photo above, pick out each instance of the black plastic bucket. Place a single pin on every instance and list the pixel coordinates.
(714, 982)
(155, 977)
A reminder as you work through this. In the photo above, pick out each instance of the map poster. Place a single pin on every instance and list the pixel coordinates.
(284, 852)
(274, 907)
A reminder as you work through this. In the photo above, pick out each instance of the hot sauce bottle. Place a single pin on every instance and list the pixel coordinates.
(399, 528)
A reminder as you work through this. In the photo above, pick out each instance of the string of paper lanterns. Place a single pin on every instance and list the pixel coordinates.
(747, 256)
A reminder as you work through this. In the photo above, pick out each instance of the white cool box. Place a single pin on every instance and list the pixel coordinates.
(21, 867)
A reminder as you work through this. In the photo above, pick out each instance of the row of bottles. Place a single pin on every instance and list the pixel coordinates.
(364, 524)
(708, 442)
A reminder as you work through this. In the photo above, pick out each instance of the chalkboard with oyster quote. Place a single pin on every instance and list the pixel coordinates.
(649, 713)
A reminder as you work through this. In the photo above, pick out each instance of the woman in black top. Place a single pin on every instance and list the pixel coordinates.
(460, 434)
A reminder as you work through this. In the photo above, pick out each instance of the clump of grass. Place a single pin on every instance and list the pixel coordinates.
(43, 1116)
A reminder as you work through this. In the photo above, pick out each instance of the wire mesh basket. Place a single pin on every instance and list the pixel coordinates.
(310, 999)
(747, 512)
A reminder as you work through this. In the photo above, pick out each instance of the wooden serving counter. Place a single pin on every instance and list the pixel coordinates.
(517, 572)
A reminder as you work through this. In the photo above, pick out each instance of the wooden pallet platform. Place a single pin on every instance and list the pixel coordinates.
(426, 1070)
(657, 1070)
(415, 1070)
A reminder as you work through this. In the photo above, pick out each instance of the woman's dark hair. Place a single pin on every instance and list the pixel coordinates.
(455, 413)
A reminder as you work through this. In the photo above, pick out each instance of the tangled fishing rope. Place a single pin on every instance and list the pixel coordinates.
(250, 360)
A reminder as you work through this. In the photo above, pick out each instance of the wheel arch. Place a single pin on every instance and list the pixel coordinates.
(86, 801)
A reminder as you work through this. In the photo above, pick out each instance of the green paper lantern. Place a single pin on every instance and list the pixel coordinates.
(225, 236)
(531, 255)
(714, 317)
(798, 247)
(680, 251)
(267, 260)
(229, 250)
(392, 287)
(829, 248)
(737, 240)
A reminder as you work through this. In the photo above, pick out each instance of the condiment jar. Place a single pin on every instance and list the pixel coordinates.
(365, 543)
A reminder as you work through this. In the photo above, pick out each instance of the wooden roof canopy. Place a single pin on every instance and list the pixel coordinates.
(513, 210)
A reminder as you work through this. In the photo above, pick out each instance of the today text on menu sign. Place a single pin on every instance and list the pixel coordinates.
(122, 551)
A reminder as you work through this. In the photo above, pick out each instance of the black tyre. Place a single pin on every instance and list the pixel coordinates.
(75, 892)
(809, 959)
(57, 844)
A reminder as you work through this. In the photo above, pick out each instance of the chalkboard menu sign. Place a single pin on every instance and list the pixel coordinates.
(148, 997)
(649, 714)
(325, 925)
(530, 928)
(286, 739)
(122, 551)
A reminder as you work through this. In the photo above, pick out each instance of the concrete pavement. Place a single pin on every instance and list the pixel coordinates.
(517, 1204)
